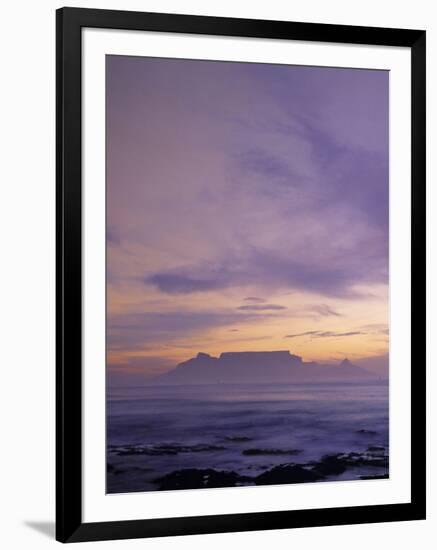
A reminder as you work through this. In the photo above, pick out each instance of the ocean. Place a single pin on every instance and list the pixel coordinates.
(187, 437)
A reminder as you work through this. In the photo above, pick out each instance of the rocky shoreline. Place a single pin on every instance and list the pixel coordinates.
(288, 473)
(329, 467)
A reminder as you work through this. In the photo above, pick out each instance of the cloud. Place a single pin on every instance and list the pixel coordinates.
(262, 307)
(377, 328)
(253, 179)
(324, 236)
(324, 310)
(262, 163)
(137, 330)
(308, 333)
(324, 334)
(274, 270)
(179, 283)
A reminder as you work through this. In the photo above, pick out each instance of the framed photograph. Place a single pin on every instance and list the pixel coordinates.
(240, 274)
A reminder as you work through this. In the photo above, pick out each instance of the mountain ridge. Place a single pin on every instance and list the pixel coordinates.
(245, 367)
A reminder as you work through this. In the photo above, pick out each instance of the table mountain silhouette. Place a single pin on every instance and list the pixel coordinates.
(255, 367)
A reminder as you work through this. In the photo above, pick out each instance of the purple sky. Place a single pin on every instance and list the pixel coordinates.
(246, 203)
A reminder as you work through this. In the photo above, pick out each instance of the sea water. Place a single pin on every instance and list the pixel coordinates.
(248, 429)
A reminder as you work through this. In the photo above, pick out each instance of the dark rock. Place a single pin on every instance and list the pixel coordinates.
(366, 432)
(376, 456)
(193, 478)
(111, 469)
(255, 452)
(376, 449)
(339, 463)
(287, 473)
(378, 462)
(331, 465)
(382, 476)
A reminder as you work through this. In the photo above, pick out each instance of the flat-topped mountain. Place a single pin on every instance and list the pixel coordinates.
(256, 367)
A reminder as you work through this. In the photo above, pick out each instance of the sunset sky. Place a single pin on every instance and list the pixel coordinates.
(247, 209)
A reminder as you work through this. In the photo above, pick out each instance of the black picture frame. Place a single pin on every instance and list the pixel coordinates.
(69, 524)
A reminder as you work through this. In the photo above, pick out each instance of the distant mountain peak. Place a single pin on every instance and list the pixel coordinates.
(346, 363)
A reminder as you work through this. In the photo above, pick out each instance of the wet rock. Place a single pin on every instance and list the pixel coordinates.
(162, 450)
(193, 478)
(378, 462)
(331, 465)
(382, 476)
(376, 449)
(257, 452)
(337, 464)
(375, 456)
(287, 473)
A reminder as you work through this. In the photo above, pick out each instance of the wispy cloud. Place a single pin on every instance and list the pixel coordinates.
(323, 310)
(180, 283)
(262, 307)
(325, 334)
(376, 328)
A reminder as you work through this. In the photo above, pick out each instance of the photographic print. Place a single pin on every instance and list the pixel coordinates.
(247, 274)
(240, 274)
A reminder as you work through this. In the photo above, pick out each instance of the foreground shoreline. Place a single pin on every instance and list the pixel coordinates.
(368, 465)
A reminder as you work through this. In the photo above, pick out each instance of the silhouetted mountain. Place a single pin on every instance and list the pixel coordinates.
(259, 367)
